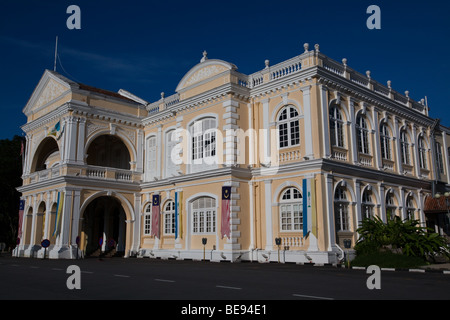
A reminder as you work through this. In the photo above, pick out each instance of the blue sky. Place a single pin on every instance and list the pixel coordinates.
(146, 47)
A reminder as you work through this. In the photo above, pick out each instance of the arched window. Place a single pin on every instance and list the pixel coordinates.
(341, 209)
(404, 147)
(410, 208)
(203, 133)
(367, 205)
(170, 165)
(391, 207)
(204, 215)
(362, 133)
(169, 217)
(422, 153)
(336, 127)
(288, 127)
(148, 220)
(440, 162)
(385, 140)
(291, 210)
(151, 158)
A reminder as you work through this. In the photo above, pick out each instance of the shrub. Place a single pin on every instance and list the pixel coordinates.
(398, 236)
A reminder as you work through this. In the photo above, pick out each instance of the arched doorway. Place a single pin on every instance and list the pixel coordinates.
(103, 229)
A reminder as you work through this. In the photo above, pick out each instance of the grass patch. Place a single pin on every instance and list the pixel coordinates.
(388, 260)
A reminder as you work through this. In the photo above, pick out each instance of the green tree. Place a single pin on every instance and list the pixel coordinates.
(10, 179)
(406, 237)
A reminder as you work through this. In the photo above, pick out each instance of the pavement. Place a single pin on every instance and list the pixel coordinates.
(439, 266)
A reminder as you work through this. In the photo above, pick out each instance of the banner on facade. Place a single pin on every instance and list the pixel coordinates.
(21, 209)
(59, 211)
(309, 207)
(226, 212)
(155, 215)
(178, 214)
(56, 131)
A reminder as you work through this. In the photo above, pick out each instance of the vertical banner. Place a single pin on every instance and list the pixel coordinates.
(155, 216)
(21, 208)
(313, 208)
(226, 212)
(59, 211)
(176, 215)
(180, 214)
(305, 207)
(310, 212)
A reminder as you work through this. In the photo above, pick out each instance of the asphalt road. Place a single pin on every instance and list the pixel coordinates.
(195, 283)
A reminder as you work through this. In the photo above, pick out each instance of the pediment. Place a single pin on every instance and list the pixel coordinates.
(50, 88)
(203, 71)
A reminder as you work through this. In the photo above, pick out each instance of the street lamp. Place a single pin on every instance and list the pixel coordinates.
(204, 240)
(278, 243)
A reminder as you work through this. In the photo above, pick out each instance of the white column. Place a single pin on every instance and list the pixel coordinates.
(65, 219)
(329, 194)
(403, 203)
(81, 138)
(308, 122)
(353, 139)
(137, 223)
(376, 138)
(381, 191)
(268, 213)
(445, 153)
(358, 202)
(415, 147)
(71, 140)
(325, 121)
(140, 151)
(266, 142)
(397, 139)
(252, 215)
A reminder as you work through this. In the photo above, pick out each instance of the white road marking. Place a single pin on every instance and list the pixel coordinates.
(121, 275)
(164, 280)
(312, 297)
(225, 287)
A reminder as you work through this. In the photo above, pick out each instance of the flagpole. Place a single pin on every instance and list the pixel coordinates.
(56, 53)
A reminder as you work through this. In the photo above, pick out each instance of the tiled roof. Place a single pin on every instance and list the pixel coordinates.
(436, 205)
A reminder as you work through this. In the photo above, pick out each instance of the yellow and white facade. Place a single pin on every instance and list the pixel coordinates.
(309, 148)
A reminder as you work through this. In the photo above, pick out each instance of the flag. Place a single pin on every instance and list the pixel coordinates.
(21, 208)
(59, 211)
(155, 215)
(309, 207)
(56, 131)
(226, 212)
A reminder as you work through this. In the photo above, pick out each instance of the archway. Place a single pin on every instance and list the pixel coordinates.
(103, 229)
(108, 151)
(46, 155)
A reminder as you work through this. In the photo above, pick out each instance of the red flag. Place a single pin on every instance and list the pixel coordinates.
(21, 208)
(226, 212)
(155, 216)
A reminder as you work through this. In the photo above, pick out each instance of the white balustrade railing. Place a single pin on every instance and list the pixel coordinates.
(289, 156)
(339, 155)
(292, 241)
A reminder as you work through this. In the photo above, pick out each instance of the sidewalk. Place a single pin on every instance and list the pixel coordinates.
(437, 267)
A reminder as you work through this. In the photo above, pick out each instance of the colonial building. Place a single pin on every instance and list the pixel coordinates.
(231, 167)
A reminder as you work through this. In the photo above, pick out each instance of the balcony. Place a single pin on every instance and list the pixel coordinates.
(88, 172)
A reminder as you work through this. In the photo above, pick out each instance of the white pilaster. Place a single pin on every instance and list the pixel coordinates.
(353, 139)
(268, 213)
(325, 121)
(308, 122)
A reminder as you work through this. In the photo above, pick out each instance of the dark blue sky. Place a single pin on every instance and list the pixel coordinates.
(146, 47)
